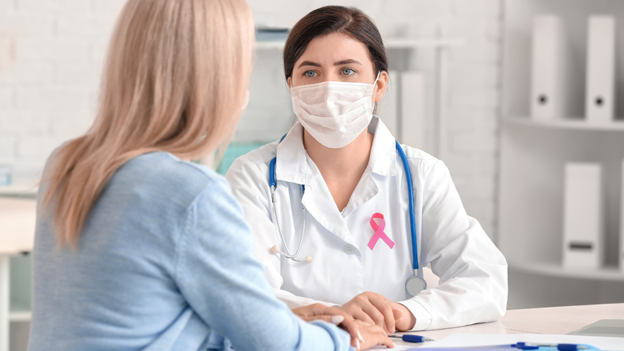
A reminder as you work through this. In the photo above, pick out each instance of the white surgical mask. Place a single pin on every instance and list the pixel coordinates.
(334, 113)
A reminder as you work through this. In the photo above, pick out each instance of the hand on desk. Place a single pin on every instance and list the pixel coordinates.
(363, 335)
(376, 309)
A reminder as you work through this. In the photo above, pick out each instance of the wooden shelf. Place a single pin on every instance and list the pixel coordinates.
(394, 43)
(25, 316)
(401, 43)
(568, 123)
(557, 270)
(21, 187)
(269, 44)
(19, 312)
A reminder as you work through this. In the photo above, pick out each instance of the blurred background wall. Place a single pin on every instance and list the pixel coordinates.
(52, 52)
(49, 92)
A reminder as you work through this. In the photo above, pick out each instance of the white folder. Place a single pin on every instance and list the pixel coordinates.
(622, 222)
(599, 100)
(549, 96)
(388, 107)
(583, 224)
(413, 109)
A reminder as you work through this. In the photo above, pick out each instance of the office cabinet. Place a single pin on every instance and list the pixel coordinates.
(534, 153)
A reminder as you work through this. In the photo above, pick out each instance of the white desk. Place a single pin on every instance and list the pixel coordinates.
(551, 320)
(17, 231)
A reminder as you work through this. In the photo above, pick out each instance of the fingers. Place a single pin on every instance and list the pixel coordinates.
(361, 315)
(365, 302)
(372, 308)
(384, 307)
(371, 335)
(317, 309)
(407, 319)
(336, 320)
(374, 313)
(387, 342)
(350, 326)
(397, 314)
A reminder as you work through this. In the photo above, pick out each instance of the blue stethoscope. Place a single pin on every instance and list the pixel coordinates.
(413, 285)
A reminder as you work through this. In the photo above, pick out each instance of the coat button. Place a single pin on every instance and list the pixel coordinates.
(349, 249)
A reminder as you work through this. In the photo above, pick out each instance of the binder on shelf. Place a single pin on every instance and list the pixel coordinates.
(388, 107)
(599, 96)
(549, 95)
(622, 221)
(583, 224)
(413, 109)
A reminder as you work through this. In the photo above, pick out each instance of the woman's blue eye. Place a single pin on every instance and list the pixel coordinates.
(347, 71)
(310, 74)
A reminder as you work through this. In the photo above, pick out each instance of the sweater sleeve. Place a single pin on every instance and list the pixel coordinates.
(219, 276)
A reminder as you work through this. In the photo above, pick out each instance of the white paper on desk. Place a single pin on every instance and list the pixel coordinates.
(474, 340)
(396, 348)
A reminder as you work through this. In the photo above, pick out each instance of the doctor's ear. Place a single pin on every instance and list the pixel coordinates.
(289, 82)
(382, 85)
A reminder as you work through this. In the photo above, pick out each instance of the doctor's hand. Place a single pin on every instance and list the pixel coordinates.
(377, 309)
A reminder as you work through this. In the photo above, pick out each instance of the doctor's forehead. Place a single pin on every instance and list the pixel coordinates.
(332, 49)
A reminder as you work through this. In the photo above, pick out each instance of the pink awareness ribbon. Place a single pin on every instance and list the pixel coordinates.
(379, 232)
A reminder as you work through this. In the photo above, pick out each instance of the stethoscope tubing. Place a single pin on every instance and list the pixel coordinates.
(287, 254)
(410, 187)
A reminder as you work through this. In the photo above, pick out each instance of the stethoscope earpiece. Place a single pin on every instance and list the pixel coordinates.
(276, 250)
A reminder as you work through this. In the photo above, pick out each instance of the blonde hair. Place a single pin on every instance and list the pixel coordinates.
(175, 80)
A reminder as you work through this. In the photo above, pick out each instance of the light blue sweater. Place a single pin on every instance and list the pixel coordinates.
(164, 262)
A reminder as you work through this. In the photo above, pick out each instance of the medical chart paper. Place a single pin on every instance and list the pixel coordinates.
(458, 341)
(396, 347)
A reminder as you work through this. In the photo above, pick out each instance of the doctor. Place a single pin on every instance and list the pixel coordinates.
(329, 205)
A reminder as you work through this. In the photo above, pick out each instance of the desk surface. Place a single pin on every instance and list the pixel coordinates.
(551, 320)
(17, 225)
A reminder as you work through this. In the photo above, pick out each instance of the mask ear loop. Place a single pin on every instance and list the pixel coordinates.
(376, 79)
(374, 84)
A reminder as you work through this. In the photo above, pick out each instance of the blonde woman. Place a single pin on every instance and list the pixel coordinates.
(138, 248)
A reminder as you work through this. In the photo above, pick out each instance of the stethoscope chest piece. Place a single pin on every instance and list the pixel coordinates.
(415, 285)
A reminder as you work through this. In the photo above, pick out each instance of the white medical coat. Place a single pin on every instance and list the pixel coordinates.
(472, 271)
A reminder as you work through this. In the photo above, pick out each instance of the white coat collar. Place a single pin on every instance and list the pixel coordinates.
(292, 166)
(383, 153)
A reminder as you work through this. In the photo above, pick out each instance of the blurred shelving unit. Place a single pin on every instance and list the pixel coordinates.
(566, 124)
(17, 229)
(533, 158)
(393, 43)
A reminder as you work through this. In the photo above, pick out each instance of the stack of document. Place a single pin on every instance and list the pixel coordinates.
(504, 342)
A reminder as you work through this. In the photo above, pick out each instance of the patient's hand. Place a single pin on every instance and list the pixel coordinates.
(322, 312)
(363, 335)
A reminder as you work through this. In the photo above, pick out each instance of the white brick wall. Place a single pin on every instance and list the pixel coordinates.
(48, 94)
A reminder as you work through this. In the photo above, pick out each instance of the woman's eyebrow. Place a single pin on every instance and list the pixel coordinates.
(308, 63)
(344, 62)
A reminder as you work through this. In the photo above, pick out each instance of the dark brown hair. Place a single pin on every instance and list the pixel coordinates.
(334, 19)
